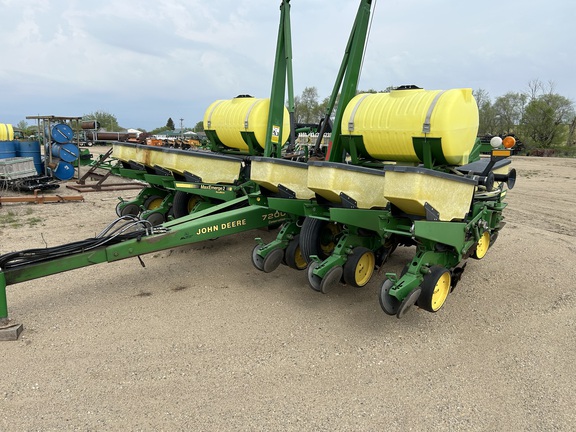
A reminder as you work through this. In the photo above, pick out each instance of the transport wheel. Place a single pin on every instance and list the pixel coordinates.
(184, 203)
(128, 209)
(482, 246)
(293, 255)
(155, 218)
(257, 260)
(435, 288)
(272, 260)
(313, 280)
(359, 267)
(153, 202)
(388, 303)
(318, 237)
(408, 302)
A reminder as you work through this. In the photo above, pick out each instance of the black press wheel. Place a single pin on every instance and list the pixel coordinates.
(359, 267)
(184, 203)
(318, 237)
(435, 289)
(153, 202)
(293, 255)
(482, 246)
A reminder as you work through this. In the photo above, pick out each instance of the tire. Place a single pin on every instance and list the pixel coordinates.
(318, 237)
(153, 202)
(435, 289)
(184, 203)
(359, 267)
(293, 255)
(482, 246)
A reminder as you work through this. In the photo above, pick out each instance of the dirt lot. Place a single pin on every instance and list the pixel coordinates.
(200, 340)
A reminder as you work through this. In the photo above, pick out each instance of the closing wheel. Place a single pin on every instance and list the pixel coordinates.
(359, 267)
(318, 237)
(293, 255)
(184, 203)
(331, 278)
(155, 218)
(388, 303)
(128, 209)
(272, 260)
(482, 246)
(408, 302)
(257, 260)
(313, 280)
(435, 289)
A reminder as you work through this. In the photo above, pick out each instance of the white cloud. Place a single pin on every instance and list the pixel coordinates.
(147, 61)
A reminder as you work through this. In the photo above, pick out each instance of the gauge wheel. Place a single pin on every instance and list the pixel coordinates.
(318, 237)
(184, 203)
(293, 255)
(388, 303)
(482, 246)
(155, 218)
(359, 267)
(128, 209)
(153, 202)
(435, 289)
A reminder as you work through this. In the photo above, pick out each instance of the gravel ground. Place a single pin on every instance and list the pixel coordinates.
(200, 340)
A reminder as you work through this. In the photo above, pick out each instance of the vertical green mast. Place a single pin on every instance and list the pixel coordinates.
(347, 80)
(282, 73)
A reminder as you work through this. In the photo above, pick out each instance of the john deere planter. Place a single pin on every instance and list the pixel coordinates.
(403, 168)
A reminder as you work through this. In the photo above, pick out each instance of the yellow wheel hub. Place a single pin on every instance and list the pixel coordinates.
(327, 237)
(154, 204)
(483, 245)
(364, 268)
(441, 291)
(299, 259)
(192, 202)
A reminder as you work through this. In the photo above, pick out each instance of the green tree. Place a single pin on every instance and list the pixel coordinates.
(199, 127)
(159, 131)
(307, 109)
(107, 121)
(170, 124)
(547, 120)
(488, 117)
(509, 111)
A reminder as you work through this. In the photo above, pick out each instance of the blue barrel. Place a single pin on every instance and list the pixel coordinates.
(7, 149)
(31, 149)
(67, 152)
(63, 171)
(62, 133)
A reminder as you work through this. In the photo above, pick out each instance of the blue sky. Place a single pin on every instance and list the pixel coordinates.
(149, 60)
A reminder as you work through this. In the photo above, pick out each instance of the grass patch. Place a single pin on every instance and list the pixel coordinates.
(13, 220)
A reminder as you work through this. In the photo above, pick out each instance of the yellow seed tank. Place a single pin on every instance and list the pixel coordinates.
(387, 122)
(228, 118)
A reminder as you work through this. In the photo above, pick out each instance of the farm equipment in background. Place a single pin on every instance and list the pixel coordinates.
(401, 168)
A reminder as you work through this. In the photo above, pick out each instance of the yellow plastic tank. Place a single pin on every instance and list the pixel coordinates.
(242, 114)
(387, 122)
(6, 132)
